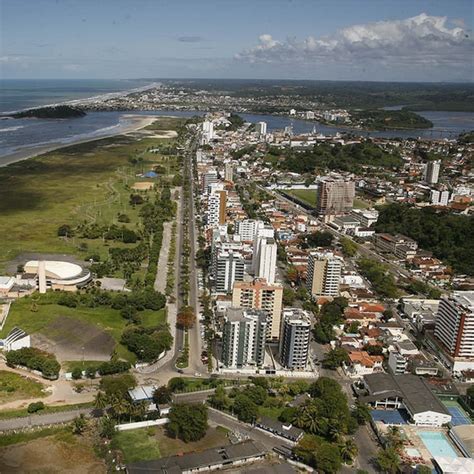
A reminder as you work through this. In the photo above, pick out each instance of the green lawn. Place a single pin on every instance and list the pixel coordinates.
(271, 412)
(87, 182)
(107, 319)
(137, 445)
(306, 195)
(16, 387)
(361, 204)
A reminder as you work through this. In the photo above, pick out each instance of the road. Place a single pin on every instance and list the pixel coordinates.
(43, 420)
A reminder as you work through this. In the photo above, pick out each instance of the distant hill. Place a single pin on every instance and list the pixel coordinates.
(53, 112)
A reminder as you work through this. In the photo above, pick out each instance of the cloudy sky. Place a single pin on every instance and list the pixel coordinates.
(399, 40)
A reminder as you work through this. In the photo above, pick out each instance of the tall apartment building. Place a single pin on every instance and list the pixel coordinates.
(229, 172)
(208, 131)
(258, 294)
(439, 198)
(432, 171)
(216, 208)
(295, 338)
(243, 338)
(265, 253)
(335, 196)
(324, 274)
(209, 177)
(261, 128)
(454, 328)
(247, 229)
(228, 267)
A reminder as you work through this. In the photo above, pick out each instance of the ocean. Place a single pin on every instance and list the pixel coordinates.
(20, 135)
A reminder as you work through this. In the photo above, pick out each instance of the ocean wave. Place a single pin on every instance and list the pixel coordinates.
(11, 129)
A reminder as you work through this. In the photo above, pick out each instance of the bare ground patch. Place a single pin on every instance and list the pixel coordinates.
(48, 455)
(71, 339)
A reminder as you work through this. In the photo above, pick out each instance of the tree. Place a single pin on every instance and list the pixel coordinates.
(388, 460)
(219, 399)
(35, 407)
(257, 394)
(107, 428)
(176, 384)
(319, 239)
(349, 247)
(100, 401)
(186, 317)
(79, 424)
(117, 385)
(76, 373)
(361, 413)
(65, 230)
(187, 422)
(162, 395)
(334, 358)
(319, 454)
(348, 451)
(245, 409)
(288, 297)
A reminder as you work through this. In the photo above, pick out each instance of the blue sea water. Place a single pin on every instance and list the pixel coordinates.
(18, 135)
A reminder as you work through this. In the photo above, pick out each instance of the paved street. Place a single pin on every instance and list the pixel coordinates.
(42, 420)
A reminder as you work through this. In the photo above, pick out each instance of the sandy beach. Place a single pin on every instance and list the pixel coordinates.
(136, 122)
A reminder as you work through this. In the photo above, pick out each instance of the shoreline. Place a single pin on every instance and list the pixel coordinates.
(138, 123)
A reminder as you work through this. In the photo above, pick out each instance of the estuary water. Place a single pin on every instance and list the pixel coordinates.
(24, 134)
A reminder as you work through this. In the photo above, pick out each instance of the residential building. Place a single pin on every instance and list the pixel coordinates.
(439, 198)
(324, 274)
(265, 253)
(295, 339)
(229, 172)
(432, 169)
(248, 229)
(398, 245)
(454, 328)
(228, 267)
(335, 196)
(283, 430)
(397, 363)
(361, 363)
(258, 294)
(243, 339)
(209, 177)
(261, 128)
(386, 391)
(216, 208)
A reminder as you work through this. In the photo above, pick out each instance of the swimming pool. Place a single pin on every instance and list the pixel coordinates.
(437, 444)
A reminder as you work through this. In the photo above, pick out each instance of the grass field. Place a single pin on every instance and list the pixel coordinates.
(48, 318)
(306, 195)
(16, 387)
(361, 204)
(23, 412)
(87, 182)
(137, 445)
(48, 450)
(153, 443)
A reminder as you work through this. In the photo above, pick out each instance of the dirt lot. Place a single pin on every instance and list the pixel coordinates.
(71, 339)
(48, 455)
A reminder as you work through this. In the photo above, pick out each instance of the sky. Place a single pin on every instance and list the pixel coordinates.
(379, 40)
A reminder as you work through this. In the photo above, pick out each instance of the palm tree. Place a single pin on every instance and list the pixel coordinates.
(101, 400)
(348, 451)
(119, 406)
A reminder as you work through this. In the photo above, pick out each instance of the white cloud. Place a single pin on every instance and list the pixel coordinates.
(421, 40)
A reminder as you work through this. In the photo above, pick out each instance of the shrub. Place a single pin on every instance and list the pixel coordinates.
(35, 407)
(76, 373)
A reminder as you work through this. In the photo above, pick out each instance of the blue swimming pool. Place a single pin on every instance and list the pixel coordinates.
(437, 444)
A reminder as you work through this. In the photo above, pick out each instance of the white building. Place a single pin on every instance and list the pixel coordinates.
(216, 206)
(366, 217)
(229, 172)
(229, 267)
(439, 198)
(248, 229)
(432, 171)
(454, 328)
(261, 128)
(265, 252)
(243, 339)
(16, 339)
(324, 274)
(295, 338)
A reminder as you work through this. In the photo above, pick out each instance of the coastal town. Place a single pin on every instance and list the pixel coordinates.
(282, 267)
(236, 236)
